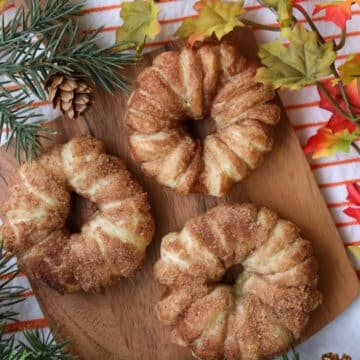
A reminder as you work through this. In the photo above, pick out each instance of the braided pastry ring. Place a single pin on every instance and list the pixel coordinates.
(194, 83)
(267, 308)
(110, 245)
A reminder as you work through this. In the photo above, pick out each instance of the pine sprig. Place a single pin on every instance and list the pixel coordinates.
(9, 294)
(45, 40)
(294, 355)
(37, 346)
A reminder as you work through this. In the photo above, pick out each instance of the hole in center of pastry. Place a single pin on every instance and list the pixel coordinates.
(232, 274)
(200, 129)
(81, 210)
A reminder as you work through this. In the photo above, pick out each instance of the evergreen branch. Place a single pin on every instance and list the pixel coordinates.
(37, 346)
(9, 294)
(40, 21)
(14, 117)
(36, 44)
(294, 355)
(29, 62)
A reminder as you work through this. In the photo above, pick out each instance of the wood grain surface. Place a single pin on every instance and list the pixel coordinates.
(121, 323)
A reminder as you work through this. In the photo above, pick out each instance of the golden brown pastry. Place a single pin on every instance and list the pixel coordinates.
(111, 243)
(215, 81)
(267, 308)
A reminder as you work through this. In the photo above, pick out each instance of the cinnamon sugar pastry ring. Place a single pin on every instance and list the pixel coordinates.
(212, 80)
(111, 243)
(267, 308)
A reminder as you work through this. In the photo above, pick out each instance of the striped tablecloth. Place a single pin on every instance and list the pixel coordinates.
(305, 116)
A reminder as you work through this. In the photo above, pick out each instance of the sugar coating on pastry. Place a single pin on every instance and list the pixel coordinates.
(110, 245)
(266, 309)
(214, 81)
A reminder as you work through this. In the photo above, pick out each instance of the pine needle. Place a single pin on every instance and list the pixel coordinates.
(37, 346)
(36, 44)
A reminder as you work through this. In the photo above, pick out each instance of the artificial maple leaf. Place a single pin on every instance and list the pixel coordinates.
(353, 190)
(337, 12)
(350, 70)
(2, 5)
(303, 62)
(326, 143)
(140, 21)
(355, 250)
(214, 17)
(337, 122)
(284, 11)
(353, 92)
(353, 196)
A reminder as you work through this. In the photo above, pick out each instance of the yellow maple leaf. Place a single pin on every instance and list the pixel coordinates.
(2, 5)
(140, 21)
(350, 70)
(214, 17)
(355, 251)
(302, 62)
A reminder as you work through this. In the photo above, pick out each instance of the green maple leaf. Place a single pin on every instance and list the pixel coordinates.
(302, 62)
(140, 21)
(214, 17)
(284, 11)
(350, 70)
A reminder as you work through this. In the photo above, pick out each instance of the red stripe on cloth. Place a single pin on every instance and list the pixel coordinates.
(308, 125)
(109, 7)
(333, 163)
(339, 204)
(99, 9)
(8, 7)
(8, 276)
(346, 223)
(338, 36)
(352, 243)
(26, 293)
(302, 105)
(337, 183)
(178, 19)
(39, 103)
(26, 325)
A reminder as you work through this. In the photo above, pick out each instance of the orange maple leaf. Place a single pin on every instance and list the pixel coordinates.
(325, 143)
(337, 12)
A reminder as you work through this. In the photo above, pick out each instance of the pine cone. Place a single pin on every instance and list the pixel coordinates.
(71, 94)
(333, 356)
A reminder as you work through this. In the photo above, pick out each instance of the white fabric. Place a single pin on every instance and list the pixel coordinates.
(342, 334)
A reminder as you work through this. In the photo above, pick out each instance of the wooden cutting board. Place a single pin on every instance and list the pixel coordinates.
(121, 323)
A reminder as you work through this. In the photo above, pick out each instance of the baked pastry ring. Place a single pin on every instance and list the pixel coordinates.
(267, 308)
(111, 243)
(193, 84)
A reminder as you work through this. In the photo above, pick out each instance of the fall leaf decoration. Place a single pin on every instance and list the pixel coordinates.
(284, 13)
(337, 122)
(214, 17)
(2, 5)
(337, 12)
(350, 70)
(353, 197)
(339, 132)
(301, 63)
(140, 21)
(325, 143)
